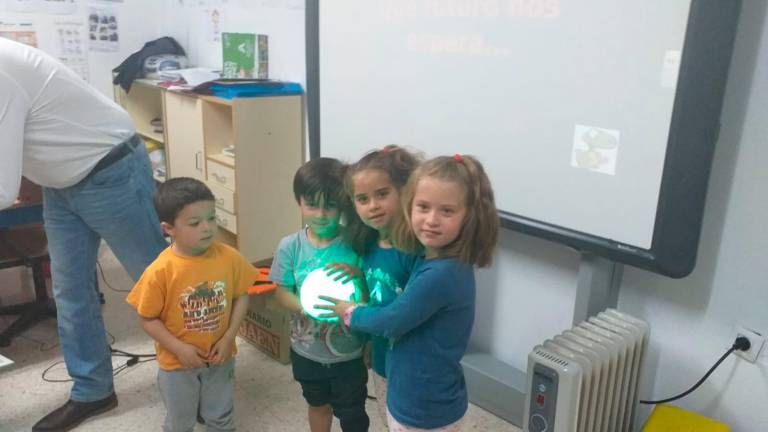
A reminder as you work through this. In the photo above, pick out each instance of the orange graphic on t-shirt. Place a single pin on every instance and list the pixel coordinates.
(203, 306)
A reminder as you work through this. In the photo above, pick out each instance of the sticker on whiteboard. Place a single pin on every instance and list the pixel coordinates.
(670, 68)
(595, 149)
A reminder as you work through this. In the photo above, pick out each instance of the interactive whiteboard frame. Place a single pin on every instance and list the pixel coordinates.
(694, 130)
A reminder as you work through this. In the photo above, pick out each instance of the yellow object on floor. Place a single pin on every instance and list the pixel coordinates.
(668, 418)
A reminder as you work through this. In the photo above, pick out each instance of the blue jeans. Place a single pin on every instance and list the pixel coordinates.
(114, 204)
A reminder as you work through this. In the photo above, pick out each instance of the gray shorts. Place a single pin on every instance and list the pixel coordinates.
(209, 388)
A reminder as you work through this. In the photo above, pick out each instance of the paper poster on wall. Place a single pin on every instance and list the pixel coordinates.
(213, 21)
(61, 7)
(22, 32)
(103, 30)
(73, 46)
(22, 5)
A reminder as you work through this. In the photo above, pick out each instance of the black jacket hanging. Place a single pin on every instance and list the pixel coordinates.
(131, 68)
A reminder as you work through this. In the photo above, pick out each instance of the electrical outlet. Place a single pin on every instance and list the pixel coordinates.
(755, 339)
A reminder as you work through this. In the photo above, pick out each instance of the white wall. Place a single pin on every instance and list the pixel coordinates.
(281, 20)
(528, 295)
(692, 319)
(138, 22)
(141, 21)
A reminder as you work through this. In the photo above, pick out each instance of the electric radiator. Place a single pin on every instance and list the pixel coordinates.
(586, 379)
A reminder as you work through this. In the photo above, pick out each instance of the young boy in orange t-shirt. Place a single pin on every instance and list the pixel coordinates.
(191, 301)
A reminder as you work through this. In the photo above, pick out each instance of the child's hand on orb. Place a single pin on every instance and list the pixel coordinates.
(343, 271)
(335, 309)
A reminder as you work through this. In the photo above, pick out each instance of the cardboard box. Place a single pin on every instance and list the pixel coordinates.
(267, 326)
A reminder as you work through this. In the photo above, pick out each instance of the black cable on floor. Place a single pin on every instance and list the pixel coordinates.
(101, 271)
(133, 359)
(121, 353)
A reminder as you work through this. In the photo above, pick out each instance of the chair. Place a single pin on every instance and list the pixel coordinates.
(23, 243)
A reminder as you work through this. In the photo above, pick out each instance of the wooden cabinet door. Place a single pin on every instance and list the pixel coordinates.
(269, 149)
(184, 132)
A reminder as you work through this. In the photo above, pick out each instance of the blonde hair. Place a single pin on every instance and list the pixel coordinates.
(480, 230)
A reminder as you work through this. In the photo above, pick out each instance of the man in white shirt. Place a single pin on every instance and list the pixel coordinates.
(97, 183)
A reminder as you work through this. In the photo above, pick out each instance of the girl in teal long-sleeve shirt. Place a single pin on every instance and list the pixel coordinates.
(450, 215)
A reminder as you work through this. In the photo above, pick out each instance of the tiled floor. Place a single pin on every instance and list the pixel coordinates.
(267, 398)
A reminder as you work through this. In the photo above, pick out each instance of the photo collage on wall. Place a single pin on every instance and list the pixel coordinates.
(103, 29)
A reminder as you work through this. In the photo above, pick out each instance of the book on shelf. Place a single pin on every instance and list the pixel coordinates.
(245, 55)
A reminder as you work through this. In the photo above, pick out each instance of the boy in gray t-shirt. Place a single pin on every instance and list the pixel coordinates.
(326, 358)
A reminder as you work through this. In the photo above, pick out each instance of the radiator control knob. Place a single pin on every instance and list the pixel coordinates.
(537, 424)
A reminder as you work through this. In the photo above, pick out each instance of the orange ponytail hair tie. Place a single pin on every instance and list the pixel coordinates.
(457, 157)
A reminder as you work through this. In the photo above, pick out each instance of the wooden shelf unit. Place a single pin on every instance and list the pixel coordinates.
(144, 103)
(253, 190)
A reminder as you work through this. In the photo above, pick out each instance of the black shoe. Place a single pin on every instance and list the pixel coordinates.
(73, 413)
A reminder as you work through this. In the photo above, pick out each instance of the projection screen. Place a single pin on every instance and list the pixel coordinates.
(595, 119)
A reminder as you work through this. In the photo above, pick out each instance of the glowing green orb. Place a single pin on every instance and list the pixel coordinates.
(318, 283)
